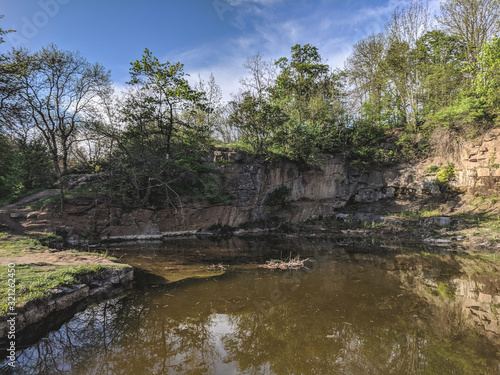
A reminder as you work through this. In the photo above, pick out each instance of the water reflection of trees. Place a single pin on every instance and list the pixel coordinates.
(342, 318)
(124, 336)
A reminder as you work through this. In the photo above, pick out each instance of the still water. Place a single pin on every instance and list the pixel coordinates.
(204, 307)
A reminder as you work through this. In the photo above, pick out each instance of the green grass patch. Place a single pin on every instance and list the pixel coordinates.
(14, 246)
(417, 214)
(33, 281)
(432, 169)
(444, 291)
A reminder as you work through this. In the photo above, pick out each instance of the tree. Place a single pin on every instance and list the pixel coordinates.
(300, 79)
(56, 89)
(262, 75)
(258, 121)
(404, 30)
(313, 98)
(474, 21)
(442, 59)
(166, 128)
(9, 108)
(210, 114)
(366, 76)
(487, 82)
(165, 92)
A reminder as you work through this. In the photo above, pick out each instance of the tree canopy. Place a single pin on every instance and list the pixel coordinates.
(58, 112)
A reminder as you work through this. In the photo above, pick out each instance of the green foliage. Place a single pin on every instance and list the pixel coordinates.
(278, 196)
(432, 169)
(444, 291)
(24, 167)
(487, 81)
(213, 189)
(365, 146)
(446, 174)
(303, 114)
(259, 123)
(465, 110)
(160, 151)
(6, 165)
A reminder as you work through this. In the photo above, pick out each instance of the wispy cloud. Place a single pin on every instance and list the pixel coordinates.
(272, 30)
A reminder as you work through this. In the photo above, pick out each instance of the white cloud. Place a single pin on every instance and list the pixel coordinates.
(260, 30)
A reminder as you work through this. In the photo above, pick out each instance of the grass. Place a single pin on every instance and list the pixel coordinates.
(417, 214)
(482, 223)
(444, 291)
(33, 281)
(14, 246)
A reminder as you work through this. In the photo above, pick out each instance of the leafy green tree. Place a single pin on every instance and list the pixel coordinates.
(367, 78)
(404, 30)
(158, 155)
(208, 116)
(57, 89)
(165, 94)
(9, 108)
(312, 97)
(487, 81)
(259, 123)
(301, 78)
(6, 161)
(365, 146)
(24, 165)
(442, 59)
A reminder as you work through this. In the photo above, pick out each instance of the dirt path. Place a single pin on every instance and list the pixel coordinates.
(32, 198)
(59, 258)
(14, 226)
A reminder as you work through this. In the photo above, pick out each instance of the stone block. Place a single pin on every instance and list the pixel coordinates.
(483, 172)
(485, 298)
(441, 221)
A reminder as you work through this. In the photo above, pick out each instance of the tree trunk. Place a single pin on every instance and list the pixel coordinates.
(57, 169)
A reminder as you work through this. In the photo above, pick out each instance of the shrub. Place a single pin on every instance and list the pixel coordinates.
(446, 174)
(432, 169)
(278, 196)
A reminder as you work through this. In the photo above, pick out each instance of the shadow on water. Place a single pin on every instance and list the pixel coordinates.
(353, 312)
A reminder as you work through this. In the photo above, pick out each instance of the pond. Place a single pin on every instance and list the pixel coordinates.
(204, 307)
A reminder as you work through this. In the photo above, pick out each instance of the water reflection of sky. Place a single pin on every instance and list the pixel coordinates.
(354, 314)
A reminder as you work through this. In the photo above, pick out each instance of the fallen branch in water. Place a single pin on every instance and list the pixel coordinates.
(291, 264)
(217, 267)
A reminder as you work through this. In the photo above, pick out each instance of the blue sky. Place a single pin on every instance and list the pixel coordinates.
(207, 36)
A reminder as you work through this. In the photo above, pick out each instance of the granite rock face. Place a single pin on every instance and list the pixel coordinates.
(315, 193)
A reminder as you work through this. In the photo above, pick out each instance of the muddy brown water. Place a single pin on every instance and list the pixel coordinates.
(203, 307)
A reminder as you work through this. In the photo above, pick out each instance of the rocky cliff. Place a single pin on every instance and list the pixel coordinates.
(314, 193)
